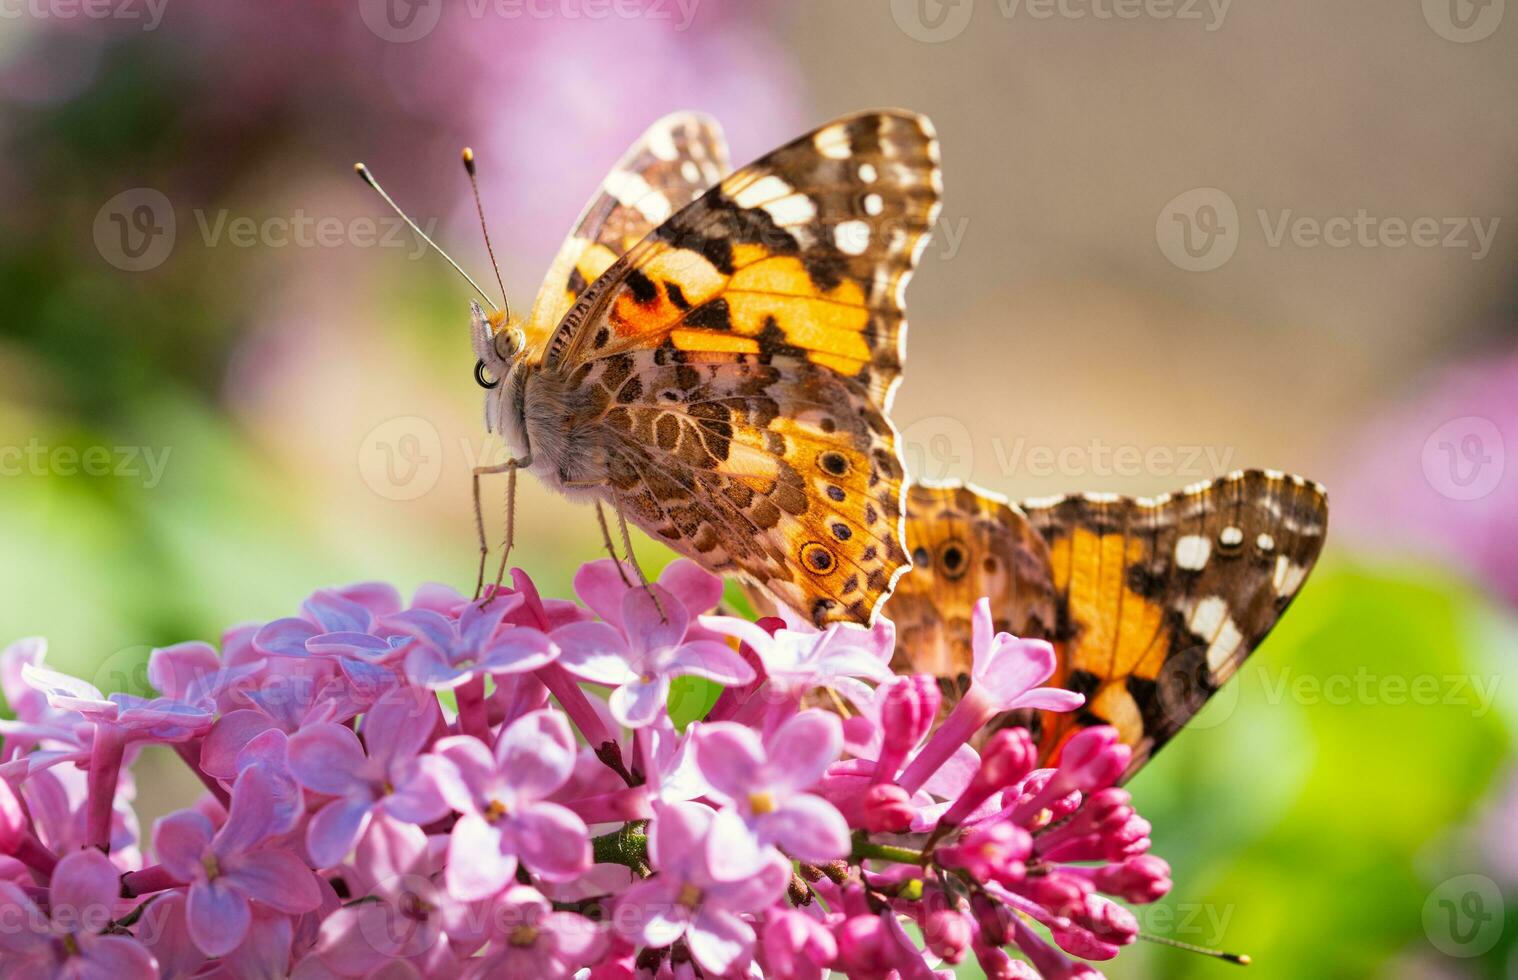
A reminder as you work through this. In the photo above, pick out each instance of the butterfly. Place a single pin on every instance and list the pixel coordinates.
(713, 355)
(1151, 604)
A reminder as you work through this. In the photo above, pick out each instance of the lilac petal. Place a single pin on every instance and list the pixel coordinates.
(638, 703)
(438, 598)
(472, 774)
(601, 586)
(392, 849)
(66, 693)
(733, 851)
(172, 670)
(983, 632)
(266, 950)
(536, 754)
(730, 757)
(809, 828)
(431, 628)
(167, 935)
(88, 885)
(594, 652)
(801, 749)
(235, 729)
(285, 638)
(651, 626)
(552, 841)
(348, 644)
(720, 941)
(1012, 667)
(326, 758)
(253, 815)
(418, 797)
(519, 650)
(333, 830)
(335, 613)
(114, 958)
(698, 590)
(1050, 699)
(180, 840)
(357, 940)
(712, 660)
(399, 724)
(278, 879)
(477, 868)
(574, 938)
(649, 912)
(742, 630)
(377, 598)
(431, 669)
(754, 891)
(480, 620)
(218, 917)
(17, 908)
(673, 828)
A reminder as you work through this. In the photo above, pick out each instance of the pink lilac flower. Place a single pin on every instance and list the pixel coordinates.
(502, 796)
(68, 939)
(640, 658)
(765, 783)
(383, 772)
(532, 940)
(353, 826)
(227, 869)
(688, 901)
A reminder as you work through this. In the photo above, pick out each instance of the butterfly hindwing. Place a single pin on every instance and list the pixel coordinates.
(744, 354)
(1155, 603)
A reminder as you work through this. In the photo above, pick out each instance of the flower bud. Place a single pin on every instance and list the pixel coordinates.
(1141, 879)
(887, 809)
(947, 933)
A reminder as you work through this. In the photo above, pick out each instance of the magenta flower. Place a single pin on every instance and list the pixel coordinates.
(799, 657)
(227, 869)
(332, 621)
(534, 941)
(688, 899)
(446, 653)
(765, 785)
(640, 658)
(68, 939)
(330, 760)
(505, 816)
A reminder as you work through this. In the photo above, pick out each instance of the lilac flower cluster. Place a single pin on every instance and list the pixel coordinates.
(496, 788)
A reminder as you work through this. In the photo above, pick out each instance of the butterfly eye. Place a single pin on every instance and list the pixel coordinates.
(508, 343)
(479, 376)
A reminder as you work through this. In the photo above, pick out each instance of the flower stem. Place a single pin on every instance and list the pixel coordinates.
(869, 851)
(153, 879)
(34, 854)
(190, 753)
(472, 716)
(626, 846)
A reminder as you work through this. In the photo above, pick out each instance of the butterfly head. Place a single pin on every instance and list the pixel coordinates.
(498, 345)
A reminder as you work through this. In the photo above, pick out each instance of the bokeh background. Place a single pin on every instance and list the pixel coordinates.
(1178, 238)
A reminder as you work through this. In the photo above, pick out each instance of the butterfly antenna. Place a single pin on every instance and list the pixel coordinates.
(474, 185)
(1239, 959)
(368, 178)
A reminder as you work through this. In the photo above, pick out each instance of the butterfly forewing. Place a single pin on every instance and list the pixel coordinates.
(742, 357)
(670, 165)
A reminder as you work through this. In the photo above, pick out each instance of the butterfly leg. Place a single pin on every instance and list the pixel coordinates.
(479, 521)
(627, 546)
(610, 548)
(512, 466)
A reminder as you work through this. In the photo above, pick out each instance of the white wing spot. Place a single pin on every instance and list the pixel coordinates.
(1265, 542)
(867, 173)
(873, 204)
(632, 191)
(833, 143)
(852, 237)
(1230, 537)
(1191, 552)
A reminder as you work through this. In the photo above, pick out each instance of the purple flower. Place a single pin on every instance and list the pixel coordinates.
(640, 658)
(332, 622)
(532, 940)
(766, 785)
(446, 653)
(505, 814)
(330, 760)
(227, 869)
(689, 900)
(799, 657)
(67, 940)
